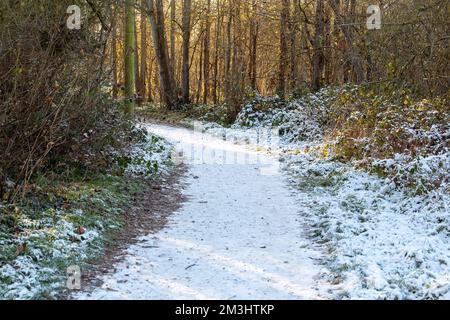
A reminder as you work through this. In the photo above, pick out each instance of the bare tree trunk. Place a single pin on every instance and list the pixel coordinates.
(186, 25)
(114, 53)
(200, 72)
(237, 69)
(283, 48)
(327, 47)
(173, 16)
(216, 52)
(150, 81)
(156, 15)
(293, 49)
(227, 66)
(254, 30)
(318, 56)
(136, 64)
(206, 53)
(130, 48)
(143, 71)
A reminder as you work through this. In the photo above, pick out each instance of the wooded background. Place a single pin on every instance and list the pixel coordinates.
(58, 87)
(215, 51)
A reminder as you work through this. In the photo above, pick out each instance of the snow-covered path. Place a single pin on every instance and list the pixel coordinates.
(239, 236)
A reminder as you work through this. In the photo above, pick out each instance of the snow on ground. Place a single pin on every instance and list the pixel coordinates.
(377, 241)
(240, 235)
(36, 274)
(382, 241)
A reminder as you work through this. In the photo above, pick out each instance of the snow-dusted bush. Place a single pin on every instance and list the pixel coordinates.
(150, 155)
(422, 173)
(394, 136)
(369, 126)
(260, 111)
(298, 120)
(388, 133)
(209, 113)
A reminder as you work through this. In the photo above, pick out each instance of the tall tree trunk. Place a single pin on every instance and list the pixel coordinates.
(281, 90)
(293, 48)
(229, 44)
(186, 25)
(254, 30)
(114, 53)
(136, 63)
(130, 48)
(237, 68)
(327, 52)
(173, 16)
(216, 53)
(143, 71)
(150, 81)
(318, 56)
(206, 53)
(156, 15)
(200, 72)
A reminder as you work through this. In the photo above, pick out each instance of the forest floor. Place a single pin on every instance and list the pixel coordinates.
(238, 236)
